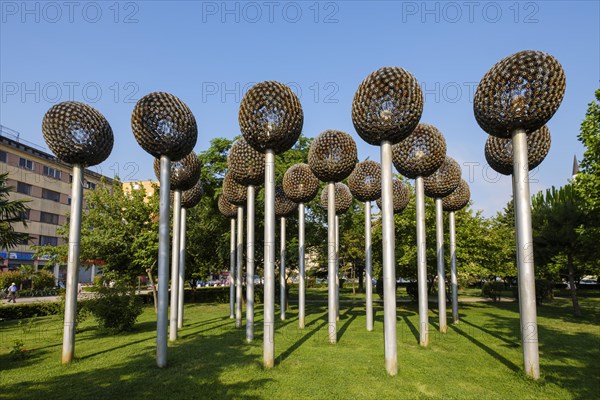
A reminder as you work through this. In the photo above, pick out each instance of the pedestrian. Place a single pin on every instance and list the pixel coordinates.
(12, 293)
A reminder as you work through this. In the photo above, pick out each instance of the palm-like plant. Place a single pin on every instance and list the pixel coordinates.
(11, 211)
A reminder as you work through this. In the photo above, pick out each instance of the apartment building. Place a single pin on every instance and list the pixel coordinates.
(40, 177)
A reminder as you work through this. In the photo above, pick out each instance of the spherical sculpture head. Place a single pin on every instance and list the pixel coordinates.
(499, 151)
(300, 184)
(164, 126)
(283, 205)
(343, 198)
(234, 192)
(191, 197)
(522, 91)
(77, 134)
(444, 180)
(332, 156)
(226, 208)
(400, 196)
(184, 173)
(245, 164)
(387, 106)
(421, 153)
(457, 199)
(365, 181)
(271, 117)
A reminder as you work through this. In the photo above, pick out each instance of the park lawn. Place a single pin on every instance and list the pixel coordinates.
(478, 359)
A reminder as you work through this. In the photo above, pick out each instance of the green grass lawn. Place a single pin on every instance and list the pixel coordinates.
(478, 359)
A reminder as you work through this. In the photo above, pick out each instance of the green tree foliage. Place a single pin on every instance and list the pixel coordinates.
(560, 245)
(119, 227)
(11, 212)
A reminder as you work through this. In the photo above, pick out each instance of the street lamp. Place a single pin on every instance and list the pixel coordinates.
(437, 185)
(387, 106)
(78, 135)
(455, 201)
(284, 207)
(301, 186)
(516, 97)
(165, 127)
(184, 174)
(247, 167)
(332, 157)
(416, 157)
(365, 184)
(271, 121)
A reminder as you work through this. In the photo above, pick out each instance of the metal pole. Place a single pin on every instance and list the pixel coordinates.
(441, 274)
(301, 284)
(453, 271)
(175, 265)
(68, 350)
(514, 188)
(421, 263)
(163, 263)
(331, 261)
(238, 269)
(389, 267)
(337, 267)
(250, 264)
(282, 270)
(525, 267)
(368, 267)
(269, 262)
(182, 229)
(232, 270)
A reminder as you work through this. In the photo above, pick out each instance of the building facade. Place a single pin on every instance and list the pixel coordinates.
(45, 181)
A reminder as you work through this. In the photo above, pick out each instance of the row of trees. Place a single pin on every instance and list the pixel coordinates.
(120, 227)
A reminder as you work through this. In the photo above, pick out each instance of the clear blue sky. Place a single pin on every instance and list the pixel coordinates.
(109, 54)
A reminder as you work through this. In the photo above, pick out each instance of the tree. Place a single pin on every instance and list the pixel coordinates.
(11, 212)
(119, 227)
(557, 216)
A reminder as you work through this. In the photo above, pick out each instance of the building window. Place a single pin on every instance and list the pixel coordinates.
(2, 156)
(92, 186)
(50, 195)
(69, 200)
(52, 172)
(25, 215)
(49, 218)
(48, 240)
(24, 188)
(25, 163)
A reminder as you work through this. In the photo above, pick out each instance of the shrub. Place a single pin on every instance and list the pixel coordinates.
(8, 277)
(493, 290)
(29, 310)
(116, 309)
(43, 280)
(543, 291)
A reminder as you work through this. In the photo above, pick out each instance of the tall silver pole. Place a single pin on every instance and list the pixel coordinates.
(232, 270)
(337, 267)
(389, 267)
(182, 229)
(453, 270)
(514, 188)
(282, 270)
(301, 284)
(175, 265)
(421, 263)
(441, 274)
(269, 262)
(331, 261)
(368, 267)
(68, 350)
(163, 263)
(250, 263)
(525, 266)
(238, 269)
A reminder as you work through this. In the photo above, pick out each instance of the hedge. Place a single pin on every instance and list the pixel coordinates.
(29, 310)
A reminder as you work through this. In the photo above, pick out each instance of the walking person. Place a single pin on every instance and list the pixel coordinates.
(12, 293)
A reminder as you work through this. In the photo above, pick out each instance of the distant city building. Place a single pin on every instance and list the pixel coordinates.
(41, 178)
